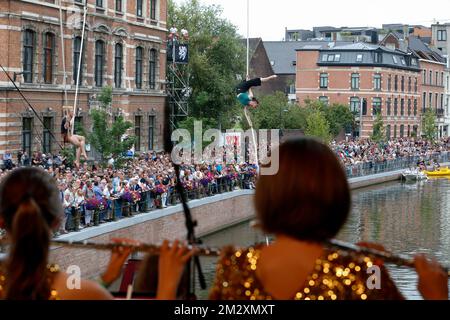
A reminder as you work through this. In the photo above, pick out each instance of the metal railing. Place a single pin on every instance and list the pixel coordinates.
(117, 208)
(374, 167)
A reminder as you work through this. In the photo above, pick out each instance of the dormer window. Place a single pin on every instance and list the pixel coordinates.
(337, 58)
(394, 58)
(359, 58)
(378, 57)
(325, 58)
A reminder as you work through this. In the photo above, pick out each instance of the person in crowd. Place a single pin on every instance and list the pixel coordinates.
(98, 192)
(78, 205)
(29, 210)
(89, 194)
(25, 159)
(67, 205)
(304, 205)
(78, 141)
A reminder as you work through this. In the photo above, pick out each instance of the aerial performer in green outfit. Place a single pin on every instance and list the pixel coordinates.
(246, 98)
(244, 91)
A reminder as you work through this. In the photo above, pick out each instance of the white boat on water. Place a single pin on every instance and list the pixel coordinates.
(414, 175)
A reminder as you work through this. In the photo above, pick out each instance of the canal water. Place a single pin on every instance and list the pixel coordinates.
(405, 217)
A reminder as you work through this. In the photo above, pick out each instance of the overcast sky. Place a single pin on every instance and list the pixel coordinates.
(269, 18)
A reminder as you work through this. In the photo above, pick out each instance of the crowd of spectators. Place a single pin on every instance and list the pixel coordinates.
(366, 151)
(93, 194)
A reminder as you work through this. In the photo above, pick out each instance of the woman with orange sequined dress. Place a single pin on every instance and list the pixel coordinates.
(30, 210)
(304, 204)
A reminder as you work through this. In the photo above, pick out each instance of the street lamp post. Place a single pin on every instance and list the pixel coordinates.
(361, 104)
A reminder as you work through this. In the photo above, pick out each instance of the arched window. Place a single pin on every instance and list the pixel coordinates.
(139, 68)
(118, 61)
(99, 62)
(28, 55)
(76, 59)
(49, 46)
(152, 69)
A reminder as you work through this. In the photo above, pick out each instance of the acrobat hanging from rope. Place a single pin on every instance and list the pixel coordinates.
(78, 141)
(244, 91)
(246, 98)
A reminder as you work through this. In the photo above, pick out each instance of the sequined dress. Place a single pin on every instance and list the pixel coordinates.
(336, 276)
(52, 270)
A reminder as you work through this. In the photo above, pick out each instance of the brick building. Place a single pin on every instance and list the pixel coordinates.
(260, 66)
(124, 47)
(370, 79)
(440, 37)
(434, 74)
(282, 56)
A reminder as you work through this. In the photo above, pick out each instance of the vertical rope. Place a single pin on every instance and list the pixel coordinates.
(255, 146)
(80, 60)
(63, 53)
(248, 38)
(247, 116)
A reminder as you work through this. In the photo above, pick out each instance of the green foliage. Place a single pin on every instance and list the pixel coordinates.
(429, 125)
(107, 139)
(216, 56)
(206, 124)
(188, 124)
(339, 117)
(295, 118)
(274, 112)
(69, 153)
(378, 134)
(270, 112)
(317, 125)
(105, 96)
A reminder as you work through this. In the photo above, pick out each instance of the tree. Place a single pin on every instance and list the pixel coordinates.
(109, 139)
(105, 96)
(295, 118)
(339, 117)
(216, 56)
(270, 112)
(317, 126)
(378, 134)
(429, 125)
(206, 124)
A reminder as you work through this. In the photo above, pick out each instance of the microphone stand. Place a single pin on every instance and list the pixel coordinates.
(191, 238)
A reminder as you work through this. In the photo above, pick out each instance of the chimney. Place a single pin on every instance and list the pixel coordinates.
(405, 32)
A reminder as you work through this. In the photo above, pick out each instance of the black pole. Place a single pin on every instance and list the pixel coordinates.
(190, 227)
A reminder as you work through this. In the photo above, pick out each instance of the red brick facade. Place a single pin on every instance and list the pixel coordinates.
(397, 91)
(46, 93)
(433, 92)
